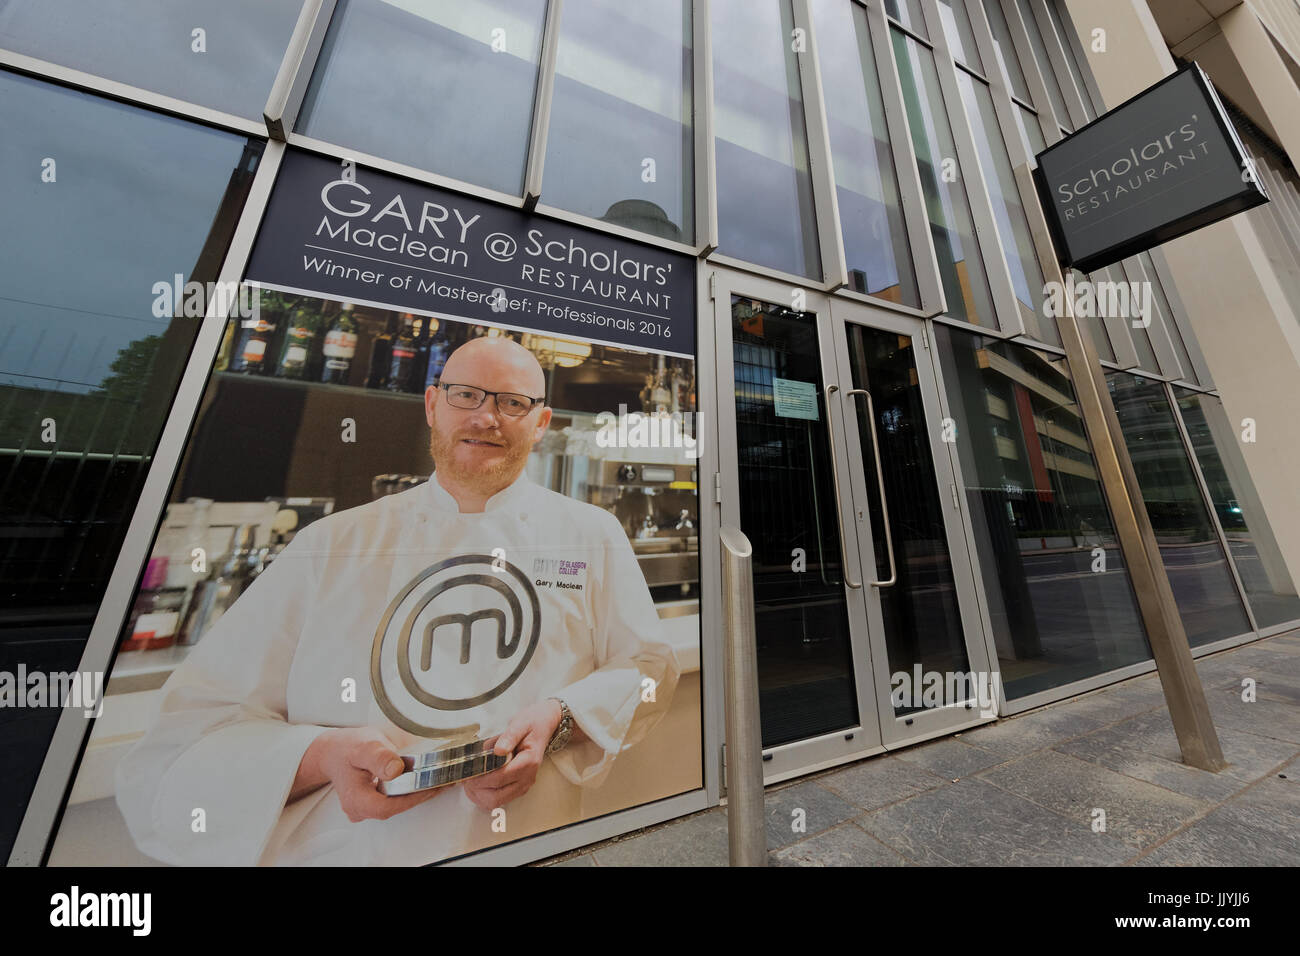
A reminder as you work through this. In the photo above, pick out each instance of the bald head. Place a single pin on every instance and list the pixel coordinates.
(497, 364)
(478, 451)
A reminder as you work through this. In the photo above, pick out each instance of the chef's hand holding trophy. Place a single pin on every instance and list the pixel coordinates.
(374, 781)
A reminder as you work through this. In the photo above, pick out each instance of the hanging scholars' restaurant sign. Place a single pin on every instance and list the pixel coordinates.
(1159, 166)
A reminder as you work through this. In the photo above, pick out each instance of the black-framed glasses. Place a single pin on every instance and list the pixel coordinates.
(510, 404)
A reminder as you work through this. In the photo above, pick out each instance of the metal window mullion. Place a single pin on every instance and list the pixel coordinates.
(1064, 77)
(830, 238)
(1049, 122)
(541, 122)
(1279, 219)
(55, 779)
(1009, 319)
(123, 92)
(1283, 211)
(1091, 95)
(1178, 315)
(1167, 362)
(706, 161)
(1004, 109)
(916, 217)
(297, 66)
(1204, 487)
(1283, 194)
(1117, 328)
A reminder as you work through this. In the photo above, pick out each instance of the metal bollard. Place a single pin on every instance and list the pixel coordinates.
(745, 828)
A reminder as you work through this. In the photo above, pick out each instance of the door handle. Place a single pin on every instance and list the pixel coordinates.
(835, 486)
(880, 480)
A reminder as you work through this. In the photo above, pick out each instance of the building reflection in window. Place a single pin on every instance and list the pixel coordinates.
(1059, 598)
(620, 145)
(965, 286)
(765, 198)
(866, 184)
(1198, 571)
(434, 84)
(1255, 551)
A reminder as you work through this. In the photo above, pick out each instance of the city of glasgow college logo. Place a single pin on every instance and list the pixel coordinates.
(456, 636)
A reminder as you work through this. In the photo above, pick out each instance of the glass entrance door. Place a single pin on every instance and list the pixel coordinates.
(856, 577)
(930, 663)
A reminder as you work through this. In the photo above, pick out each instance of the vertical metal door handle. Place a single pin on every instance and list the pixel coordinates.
(835, 486)
(880, 480)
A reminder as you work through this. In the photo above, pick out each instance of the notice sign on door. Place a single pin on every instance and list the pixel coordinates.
(795, 399)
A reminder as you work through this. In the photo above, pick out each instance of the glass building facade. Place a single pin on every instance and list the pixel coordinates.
(851, 178)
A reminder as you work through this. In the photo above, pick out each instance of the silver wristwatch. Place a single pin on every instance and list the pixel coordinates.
(563, 731)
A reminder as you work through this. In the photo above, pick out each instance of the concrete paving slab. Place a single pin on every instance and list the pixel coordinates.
(1033, 731)
(700, 840)
(1222, 839)
(821, 808)
(879, 781)
(1136, 812)
(1266, 715)
(1111, 705)
(843, 845)
(1151, 733)
(950, 757)
(973, 823)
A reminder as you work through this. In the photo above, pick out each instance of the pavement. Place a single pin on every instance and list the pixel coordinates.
(1096, 780)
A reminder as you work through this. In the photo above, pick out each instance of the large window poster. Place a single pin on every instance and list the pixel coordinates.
(428, 581)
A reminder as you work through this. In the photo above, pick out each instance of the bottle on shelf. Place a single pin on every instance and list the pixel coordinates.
(402, 360)
(340, 347)
(147, 623)
(381, 355)
(420, 367)
(225, 353)
(249, 354)
(299, 335)
(439, 349)
(225, 582)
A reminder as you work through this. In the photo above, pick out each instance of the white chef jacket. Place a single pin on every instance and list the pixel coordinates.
(238, 714)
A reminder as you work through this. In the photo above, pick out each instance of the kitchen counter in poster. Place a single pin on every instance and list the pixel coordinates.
(371, 237)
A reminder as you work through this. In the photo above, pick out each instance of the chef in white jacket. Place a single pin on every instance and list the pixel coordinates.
(476, 601)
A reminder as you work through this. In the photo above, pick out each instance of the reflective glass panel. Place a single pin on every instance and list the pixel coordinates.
(1008, 213)
(115, 203)
(957, 30)
(765, 197)
(1006, 49)
(434, 84)
(921, 619)
(871, 214)
(787, 500)
(220, 55)
(1255, 552)
(908, 13)
(1207, 598)
(1045, 60)
(620, 146)
(965, 285)
(1059, 598)
(1031, 133)
(1071, 61)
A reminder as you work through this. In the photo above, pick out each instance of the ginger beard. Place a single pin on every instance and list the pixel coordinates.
(485, 469)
